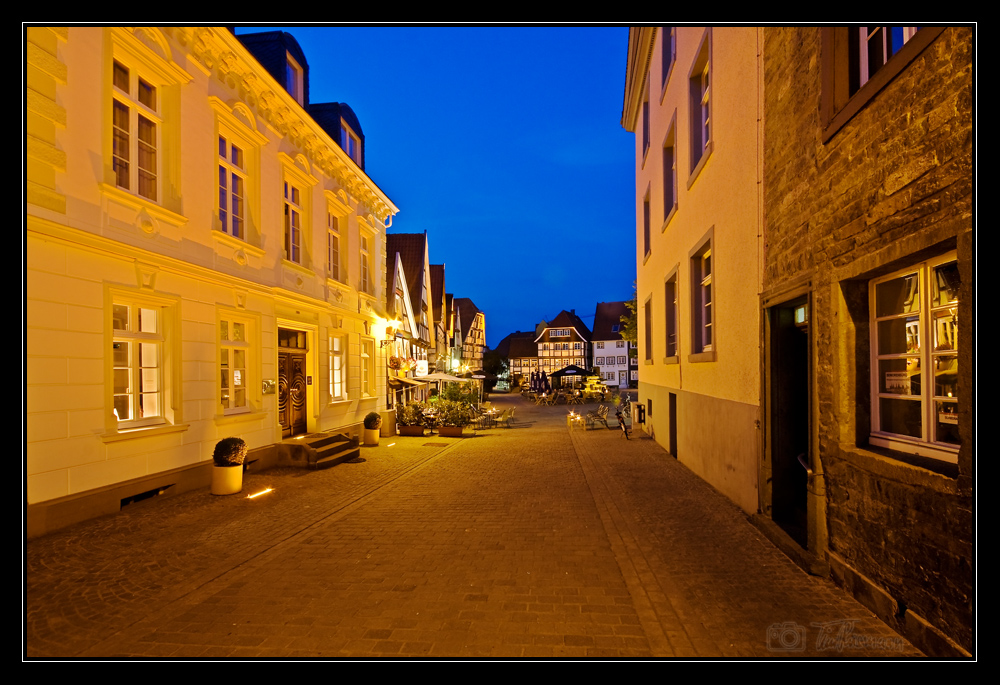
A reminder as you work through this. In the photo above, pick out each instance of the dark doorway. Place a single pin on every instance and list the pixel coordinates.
(788, 359)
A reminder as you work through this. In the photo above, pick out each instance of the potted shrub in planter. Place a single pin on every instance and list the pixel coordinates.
(410, 418)
(373, 422)
(453, 417)
(227, 473)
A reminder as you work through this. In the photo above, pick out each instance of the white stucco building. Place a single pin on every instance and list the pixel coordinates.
(204, 258)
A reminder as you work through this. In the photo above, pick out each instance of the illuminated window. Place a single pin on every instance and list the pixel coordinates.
(366, 284)
(293, 224)
(701, 105)
(703, 329)
(333, 266)
(294, 78)
(232, 188)
(136, 126)
(702, 313)
(350, 142)
(914, 329)
(670, 315)
(234, 361)
(648, 328)
(368, 368)
(338, 367)
(669, 174)
(138, 361)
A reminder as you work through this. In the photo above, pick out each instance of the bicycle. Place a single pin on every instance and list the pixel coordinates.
(624, 410)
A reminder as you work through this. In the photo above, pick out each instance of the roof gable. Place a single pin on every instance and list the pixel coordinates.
(607, 316)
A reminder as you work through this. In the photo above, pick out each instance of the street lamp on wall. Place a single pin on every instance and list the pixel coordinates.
(390, 333)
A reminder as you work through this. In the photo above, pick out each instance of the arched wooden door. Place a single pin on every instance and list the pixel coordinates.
(291, 390)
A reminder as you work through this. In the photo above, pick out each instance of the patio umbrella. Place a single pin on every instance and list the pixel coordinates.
(439, 376)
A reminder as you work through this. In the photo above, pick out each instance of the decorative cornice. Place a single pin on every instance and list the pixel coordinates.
(221, 53)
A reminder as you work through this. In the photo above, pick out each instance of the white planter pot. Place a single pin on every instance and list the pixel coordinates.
(227, 480)
(371, 436)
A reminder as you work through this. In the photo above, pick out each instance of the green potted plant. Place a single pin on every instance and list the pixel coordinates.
(410, 418)
(227, 471)
(453, 417)
(373, 424)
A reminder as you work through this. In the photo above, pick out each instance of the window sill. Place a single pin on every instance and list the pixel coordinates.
(701, 164)
(920, 450)
(240, 417)
(153, 209)
(899, 466)
(670, 215)
(144, 432)
(648, 362)
(672, 360)
(646, 258)
(700, 357)
(295, 267)
(236, 243)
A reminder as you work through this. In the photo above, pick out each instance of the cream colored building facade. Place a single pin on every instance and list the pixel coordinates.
(159, 318)
(692, 98)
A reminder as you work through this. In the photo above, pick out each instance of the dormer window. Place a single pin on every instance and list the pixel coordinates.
(350, 142)
(294, 79)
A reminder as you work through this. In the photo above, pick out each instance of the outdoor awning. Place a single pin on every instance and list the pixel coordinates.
(405, 382)
(438, 376)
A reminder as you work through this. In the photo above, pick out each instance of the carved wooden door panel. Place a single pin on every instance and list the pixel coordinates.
(291, 393)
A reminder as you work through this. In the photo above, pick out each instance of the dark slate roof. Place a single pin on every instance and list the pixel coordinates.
(608, 315)
(410, 247)
(467, 310)
(328, 115)
(269, 48)
(570, 320)
(437, 289)
(523, 347)
(513, 340)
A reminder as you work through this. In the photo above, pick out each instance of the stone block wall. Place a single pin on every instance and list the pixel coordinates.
(888, 188)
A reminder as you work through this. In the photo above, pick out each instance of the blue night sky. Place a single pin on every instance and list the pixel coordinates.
(504, 144)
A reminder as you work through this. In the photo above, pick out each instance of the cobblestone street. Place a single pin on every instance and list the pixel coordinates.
(532, 541)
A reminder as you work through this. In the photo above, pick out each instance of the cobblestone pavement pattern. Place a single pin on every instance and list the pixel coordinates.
(532, 541)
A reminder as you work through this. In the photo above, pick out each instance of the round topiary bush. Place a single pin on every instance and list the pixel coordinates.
(230, 452)
(373, 421)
